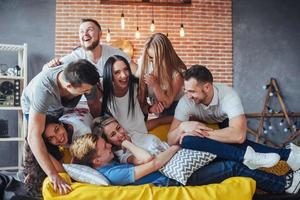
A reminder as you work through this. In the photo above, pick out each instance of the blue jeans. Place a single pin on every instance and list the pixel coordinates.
(234, 152)
(218, 171)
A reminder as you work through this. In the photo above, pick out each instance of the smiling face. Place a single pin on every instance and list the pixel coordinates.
(56, 134)
(115, 133)
(196, 91)
(89, 35)
(120, 73)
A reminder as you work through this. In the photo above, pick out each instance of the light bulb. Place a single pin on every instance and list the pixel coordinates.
(270, 109)
(266, 87)
(152, 26)
(137, 33)
(265, 131)
(270, 127)
(281, 123)
(108, 35)
(181, 32)
(271, 94)
(285, 129)
(294, 126)
(122, 21)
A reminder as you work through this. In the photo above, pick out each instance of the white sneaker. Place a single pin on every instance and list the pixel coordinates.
(255, 160)
(295, 183)
(294, 158)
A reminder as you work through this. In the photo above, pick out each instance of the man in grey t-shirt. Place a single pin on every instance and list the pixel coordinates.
(49, 93)
(91, 49)
(209, 103)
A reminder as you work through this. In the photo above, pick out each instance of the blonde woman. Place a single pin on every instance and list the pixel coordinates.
(160, 76)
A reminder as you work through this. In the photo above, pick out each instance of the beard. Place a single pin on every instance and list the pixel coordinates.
(203, 99)
(92, 46)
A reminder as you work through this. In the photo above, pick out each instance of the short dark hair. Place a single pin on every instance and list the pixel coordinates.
(200, 73)
(91, 20)
(81, 71)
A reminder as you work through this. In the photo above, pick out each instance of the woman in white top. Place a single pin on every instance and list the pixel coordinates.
(160, 75)
(120, 96)
(129, 147)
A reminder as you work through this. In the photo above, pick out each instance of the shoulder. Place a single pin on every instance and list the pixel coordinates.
(225, 91)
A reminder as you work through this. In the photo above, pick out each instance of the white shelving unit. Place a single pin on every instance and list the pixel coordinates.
(21, 51)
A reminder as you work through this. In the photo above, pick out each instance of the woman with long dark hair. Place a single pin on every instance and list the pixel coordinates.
(120, 96)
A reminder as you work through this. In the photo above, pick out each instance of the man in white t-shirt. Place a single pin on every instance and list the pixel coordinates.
(210, 103)
(215, 103)
(90, 49)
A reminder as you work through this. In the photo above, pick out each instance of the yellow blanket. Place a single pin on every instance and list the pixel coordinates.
(240, 188)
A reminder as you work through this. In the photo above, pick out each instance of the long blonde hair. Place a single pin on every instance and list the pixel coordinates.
(166, 62)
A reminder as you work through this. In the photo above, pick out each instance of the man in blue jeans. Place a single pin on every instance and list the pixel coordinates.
(92, 150)
(213, 103)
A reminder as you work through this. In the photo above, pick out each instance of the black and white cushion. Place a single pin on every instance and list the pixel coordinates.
(184, 163)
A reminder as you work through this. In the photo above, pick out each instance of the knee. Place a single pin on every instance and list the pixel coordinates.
(189, 141)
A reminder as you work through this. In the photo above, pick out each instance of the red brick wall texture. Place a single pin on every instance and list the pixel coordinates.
(207, 23)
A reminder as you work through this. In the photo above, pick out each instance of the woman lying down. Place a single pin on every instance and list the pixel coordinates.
(94, 151)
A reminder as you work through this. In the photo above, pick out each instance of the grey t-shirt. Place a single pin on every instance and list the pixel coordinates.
(42, 94)
(107, 51)
(225, 104)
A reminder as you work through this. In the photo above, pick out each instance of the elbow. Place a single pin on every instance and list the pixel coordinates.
(30, 139)
(241, 138)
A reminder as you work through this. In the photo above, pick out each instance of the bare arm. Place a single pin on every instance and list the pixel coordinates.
(179, 128)
(152, 166)
(95, 104)
(140, 156)
(234, 133)
(162, 95)
(36, 127)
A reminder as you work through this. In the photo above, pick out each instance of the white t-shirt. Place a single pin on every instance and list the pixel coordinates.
(225, 104)
(80, 119)
(107, 51)
(148, 142)
(132, 122)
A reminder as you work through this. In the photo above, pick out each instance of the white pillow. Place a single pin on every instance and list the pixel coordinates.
(85, 174)
(184, 163)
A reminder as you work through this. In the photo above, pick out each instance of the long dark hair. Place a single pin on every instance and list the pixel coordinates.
(108, 88)
(52, 149)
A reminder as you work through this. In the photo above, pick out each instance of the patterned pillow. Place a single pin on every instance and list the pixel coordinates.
(184, 163)
(85, 174)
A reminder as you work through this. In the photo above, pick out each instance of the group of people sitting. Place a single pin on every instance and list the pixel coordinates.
(112, 135)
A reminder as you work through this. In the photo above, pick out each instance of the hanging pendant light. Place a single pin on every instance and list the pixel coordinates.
(122, 21)
(152, 26)
(108, 35)
(137, 33)
(181, 32)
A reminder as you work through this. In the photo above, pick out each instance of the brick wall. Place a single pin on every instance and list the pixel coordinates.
(208, 29)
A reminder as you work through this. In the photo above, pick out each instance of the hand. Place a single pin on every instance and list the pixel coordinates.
(53, 63)
(60, 184)
(194, 127)
(188, 134)
(151, 80)
(156, 108)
